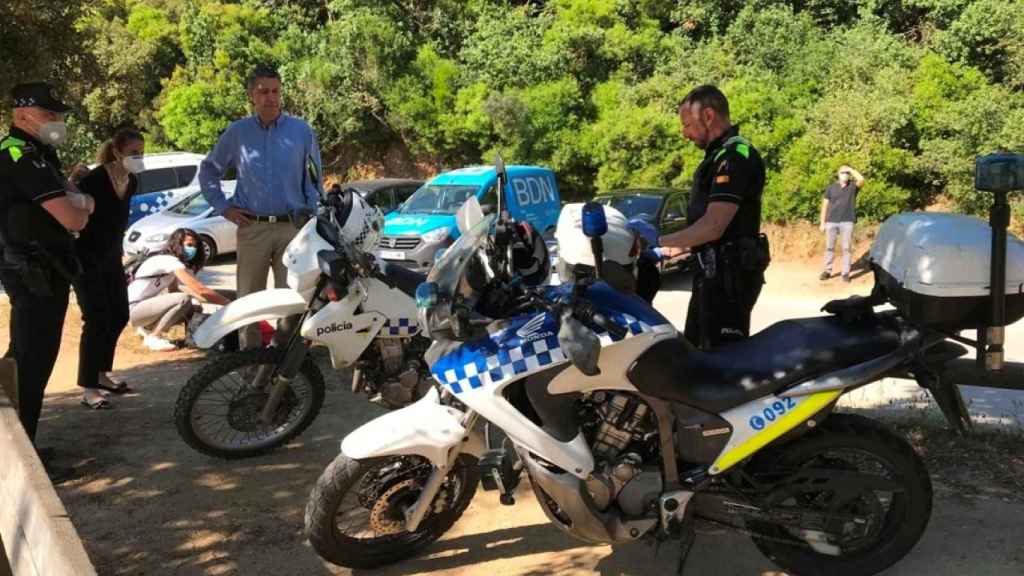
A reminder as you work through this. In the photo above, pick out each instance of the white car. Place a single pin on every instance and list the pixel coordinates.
(167, 177)
(190, 210)
(193, 211)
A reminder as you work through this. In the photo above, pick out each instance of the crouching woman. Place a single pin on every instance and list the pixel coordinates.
(161, 292)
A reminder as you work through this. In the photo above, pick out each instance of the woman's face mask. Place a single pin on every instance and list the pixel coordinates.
(190, 252)
(133, 164)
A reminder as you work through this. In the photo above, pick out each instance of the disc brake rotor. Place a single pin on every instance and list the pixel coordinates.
(386, 515)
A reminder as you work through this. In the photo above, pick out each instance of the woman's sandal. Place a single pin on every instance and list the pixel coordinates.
(119, 388)
(98, 404)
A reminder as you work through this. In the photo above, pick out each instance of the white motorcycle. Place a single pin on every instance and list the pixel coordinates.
(626, 431)
(245, 403)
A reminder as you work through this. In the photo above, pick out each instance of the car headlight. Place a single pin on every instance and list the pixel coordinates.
(157, 238)
(435, 236)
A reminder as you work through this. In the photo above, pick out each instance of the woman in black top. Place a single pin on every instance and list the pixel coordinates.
(101, 288)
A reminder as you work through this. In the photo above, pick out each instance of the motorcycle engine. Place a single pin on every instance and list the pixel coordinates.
(622, 416)
(392, 372)
(620, 431)
(392, 351)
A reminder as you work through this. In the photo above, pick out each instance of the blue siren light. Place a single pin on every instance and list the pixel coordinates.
(594, 222)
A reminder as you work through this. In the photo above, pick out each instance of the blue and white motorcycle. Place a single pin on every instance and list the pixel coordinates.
(627, 432)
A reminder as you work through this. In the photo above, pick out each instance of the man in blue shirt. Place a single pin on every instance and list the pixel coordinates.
(278, 163)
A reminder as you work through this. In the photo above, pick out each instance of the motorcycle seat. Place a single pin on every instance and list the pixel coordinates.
(404, 279)
(783, 354)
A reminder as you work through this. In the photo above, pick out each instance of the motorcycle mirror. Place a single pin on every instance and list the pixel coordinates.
(502, 176)
(426, 294)
(499, 167)
(580, 345)
(469, 215)
(1000, 172)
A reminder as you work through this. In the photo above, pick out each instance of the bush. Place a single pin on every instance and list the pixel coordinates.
(907, 92)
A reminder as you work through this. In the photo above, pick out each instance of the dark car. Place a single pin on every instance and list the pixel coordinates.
(385, 193)
(663, 208)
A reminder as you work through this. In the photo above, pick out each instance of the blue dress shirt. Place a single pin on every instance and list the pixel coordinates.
(271, 161)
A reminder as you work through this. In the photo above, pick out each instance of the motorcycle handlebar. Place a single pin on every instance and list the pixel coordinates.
(608, 324)
(585, 313)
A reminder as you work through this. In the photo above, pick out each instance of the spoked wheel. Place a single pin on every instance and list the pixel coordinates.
(218, 412)
(851, 499)
(356, 513)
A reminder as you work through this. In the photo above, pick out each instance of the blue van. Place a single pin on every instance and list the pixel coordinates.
(425, 223)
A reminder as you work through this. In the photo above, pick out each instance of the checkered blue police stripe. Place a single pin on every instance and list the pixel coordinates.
(400, 327)
(154, 204)
(530, 357)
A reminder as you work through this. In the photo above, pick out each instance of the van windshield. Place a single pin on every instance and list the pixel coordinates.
(438, 199)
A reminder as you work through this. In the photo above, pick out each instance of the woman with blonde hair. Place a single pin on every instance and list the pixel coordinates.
(101, 288)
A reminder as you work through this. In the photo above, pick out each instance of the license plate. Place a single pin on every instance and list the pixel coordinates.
(392, 255)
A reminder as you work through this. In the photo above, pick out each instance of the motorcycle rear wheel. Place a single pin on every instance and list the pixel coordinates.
(847, 442)
(377, 489)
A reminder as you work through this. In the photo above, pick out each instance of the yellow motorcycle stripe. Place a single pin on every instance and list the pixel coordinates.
(804, 410)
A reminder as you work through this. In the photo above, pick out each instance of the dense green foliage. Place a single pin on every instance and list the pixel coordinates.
(908, 92)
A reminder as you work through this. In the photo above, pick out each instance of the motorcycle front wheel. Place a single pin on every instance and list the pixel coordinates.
(355, 514)
(218, 410)
(874, 510)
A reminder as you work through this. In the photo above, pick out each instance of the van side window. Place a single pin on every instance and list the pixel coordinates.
(157, 180)
(185, 174)
(382, 199)
(402, 194)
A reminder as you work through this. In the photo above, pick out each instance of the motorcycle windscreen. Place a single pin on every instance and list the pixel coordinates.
(449, 270)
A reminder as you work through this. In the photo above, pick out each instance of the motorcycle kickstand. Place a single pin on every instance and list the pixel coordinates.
(686, 544)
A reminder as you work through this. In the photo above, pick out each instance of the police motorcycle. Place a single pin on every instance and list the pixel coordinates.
(245, 403)
(627, 432)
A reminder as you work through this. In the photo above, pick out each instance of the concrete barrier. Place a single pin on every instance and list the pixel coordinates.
(38, 537)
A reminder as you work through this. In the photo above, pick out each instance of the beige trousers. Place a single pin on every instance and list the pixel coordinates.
(260, 248)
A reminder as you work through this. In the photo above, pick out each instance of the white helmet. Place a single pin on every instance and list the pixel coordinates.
(574, 246)
(360, 223)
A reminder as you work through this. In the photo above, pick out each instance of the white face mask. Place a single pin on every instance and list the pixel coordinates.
(133, 164)
(53, 133)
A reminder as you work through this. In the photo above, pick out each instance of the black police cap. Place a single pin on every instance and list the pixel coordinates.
(39, 94)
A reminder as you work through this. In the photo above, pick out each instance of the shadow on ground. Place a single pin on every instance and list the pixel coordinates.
(148, 504)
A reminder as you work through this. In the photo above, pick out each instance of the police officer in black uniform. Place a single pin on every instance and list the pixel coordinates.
(725, 216)
(37, 217)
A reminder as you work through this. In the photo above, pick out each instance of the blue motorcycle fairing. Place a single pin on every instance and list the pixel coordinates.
(529, 342)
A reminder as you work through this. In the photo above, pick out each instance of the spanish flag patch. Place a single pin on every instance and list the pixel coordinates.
(722, 179)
